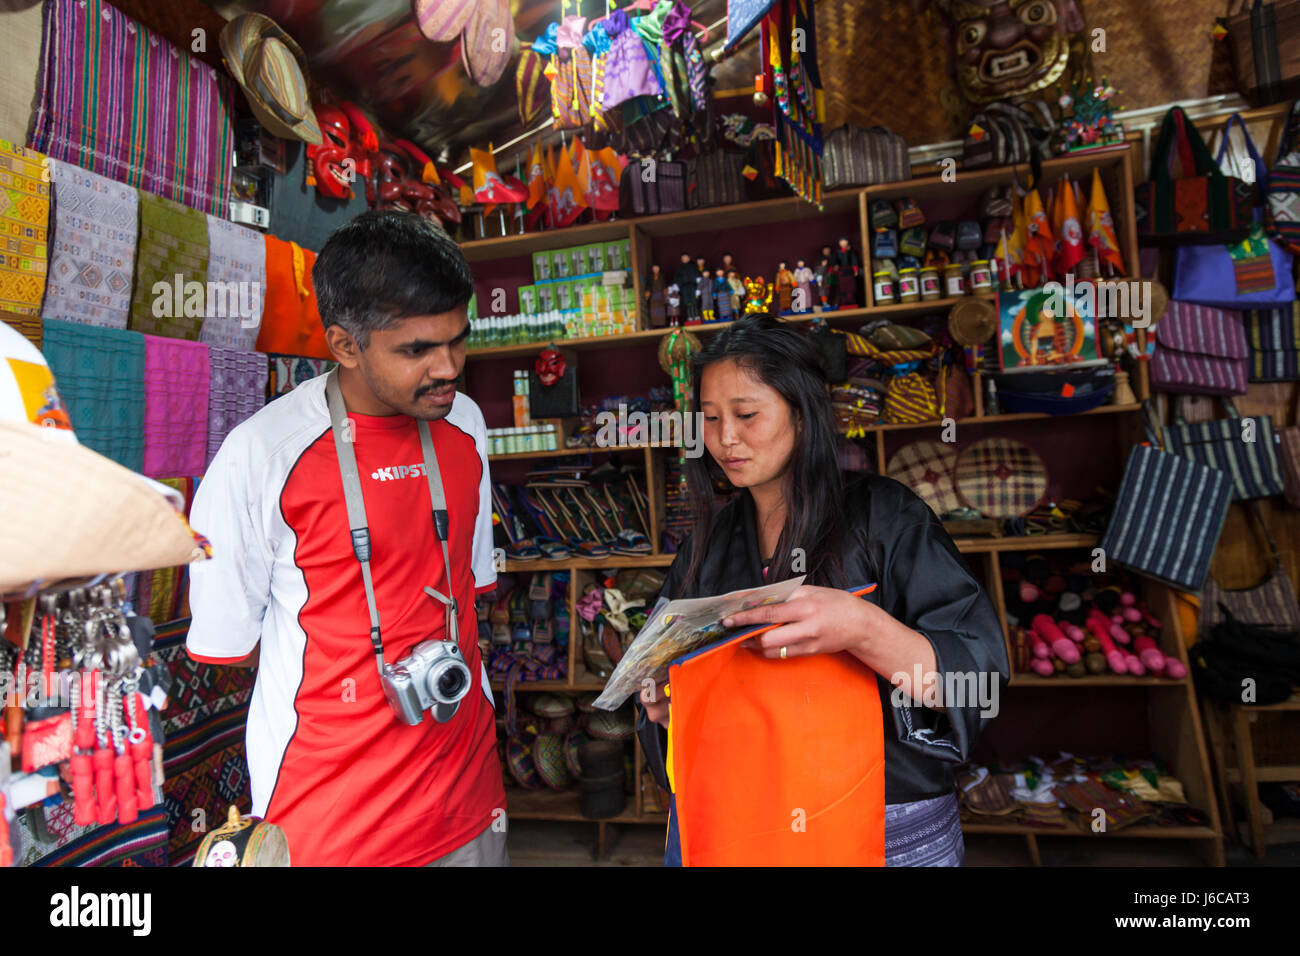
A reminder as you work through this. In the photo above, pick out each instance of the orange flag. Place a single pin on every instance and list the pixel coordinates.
(1039, 246)
(606, 171)
(490, 187)
(1069, 232)
(570, 197)
(1101, 228)
(536, 176)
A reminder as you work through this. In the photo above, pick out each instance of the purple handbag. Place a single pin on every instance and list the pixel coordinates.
(628, 70)
(1200, 351)
(1209, 275)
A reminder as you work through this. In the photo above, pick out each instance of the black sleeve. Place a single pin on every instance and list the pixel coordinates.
(926, 584)
(654, 739)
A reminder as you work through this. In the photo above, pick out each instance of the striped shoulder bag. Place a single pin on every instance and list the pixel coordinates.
(1244, 448)
(1168, 514)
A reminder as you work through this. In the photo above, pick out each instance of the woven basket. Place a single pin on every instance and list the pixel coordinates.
(549, 759)
(519, 758)
(611, 725)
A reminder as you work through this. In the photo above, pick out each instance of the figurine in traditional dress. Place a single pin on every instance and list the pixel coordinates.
(847, 267)
(655, 286)
(803, 280)
(826, 278)
(737, 289)
(673, 297)
(784, 289)
(687, 278)
(722, 296)
(705, 285)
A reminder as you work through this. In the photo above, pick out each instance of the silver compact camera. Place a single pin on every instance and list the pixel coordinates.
(434, 676)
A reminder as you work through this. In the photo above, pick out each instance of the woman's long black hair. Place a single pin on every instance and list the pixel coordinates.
(786, 360)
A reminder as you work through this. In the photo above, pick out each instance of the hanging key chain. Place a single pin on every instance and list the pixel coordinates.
(140, 742)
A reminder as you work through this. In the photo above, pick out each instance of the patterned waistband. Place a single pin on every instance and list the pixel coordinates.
(924, 833)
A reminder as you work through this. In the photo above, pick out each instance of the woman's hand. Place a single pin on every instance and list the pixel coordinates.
(812, 621)
(655, 702)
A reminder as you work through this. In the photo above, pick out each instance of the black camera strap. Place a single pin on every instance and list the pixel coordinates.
(359, 528)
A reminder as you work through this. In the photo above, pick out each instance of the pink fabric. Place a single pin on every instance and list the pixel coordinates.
(176, 379)
(570, 33)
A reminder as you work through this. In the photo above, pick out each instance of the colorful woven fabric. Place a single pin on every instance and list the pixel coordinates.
(236, 254)
(142, 843)
(100, 373)
(24, 228)
(173, 242)
(286, 371)
(165, 592)
(203, 757)
(29, 326)
(118, 99)
(175, 407)
(92, 250)
(929, 469)
(1274, 339)
(236, 389)
(1001, 478)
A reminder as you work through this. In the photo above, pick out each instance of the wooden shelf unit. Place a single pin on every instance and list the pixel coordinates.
(1174, 717)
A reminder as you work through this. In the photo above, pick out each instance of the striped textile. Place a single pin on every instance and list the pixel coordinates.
(24, 228)
(203, 757)
(142, 843)
(1284, 201)
(924, 833)
(1200, 350)
(1274, 339)
(120, 100)
(1252, 465)
(92, 252)
(28, 326)
(1168, 517)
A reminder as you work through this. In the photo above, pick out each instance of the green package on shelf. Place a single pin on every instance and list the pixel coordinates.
(542, 267)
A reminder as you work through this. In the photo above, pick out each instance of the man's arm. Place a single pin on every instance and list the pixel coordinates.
(230, 592)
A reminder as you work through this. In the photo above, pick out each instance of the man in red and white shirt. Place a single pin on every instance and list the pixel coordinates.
(330, 763)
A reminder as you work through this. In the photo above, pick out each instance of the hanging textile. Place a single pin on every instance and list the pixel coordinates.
(92, 249)
(236, 390)
(101, 380)
(792, 78)
(290, 320)
(25, 221)
(235, 254)
(176, 407)
(120, 100)
(173, 243)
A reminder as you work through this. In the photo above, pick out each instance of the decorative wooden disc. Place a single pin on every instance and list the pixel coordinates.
(973, 321)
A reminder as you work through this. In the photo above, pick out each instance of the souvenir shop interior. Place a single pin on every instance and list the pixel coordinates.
(1045, 249)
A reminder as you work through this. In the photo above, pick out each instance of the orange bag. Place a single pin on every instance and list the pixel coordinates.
(290, 321)
(777, 763)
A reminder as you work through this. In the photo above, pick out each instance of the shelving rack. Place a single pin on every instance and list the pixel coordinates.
(1173, 716)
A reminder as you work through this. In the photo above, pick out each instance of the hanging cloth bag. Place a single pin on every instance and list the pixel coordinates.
(1254, 272)
(628, 70)
(1188, 199)
(1245, 448)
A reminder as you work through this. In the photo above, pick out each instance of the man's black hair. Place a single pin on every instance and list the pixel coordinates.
(384, 266)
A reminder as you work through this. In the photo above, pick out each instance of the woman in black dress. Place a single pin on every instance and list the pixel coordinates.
(768, 430)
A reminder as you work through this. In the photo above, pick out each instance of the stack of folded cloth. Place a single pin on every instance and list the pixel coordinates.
(1067, 793)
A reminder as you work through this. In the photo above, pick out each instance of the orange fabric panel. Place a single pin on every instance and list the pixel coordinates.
(777, 763)
(290, 321)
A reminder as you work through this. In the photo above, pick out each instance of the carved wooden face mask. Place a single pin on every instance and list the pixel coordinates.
(1007, 48)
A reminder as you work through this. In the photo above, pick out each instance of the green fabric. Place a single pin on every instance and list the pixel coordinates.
(173, 241)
